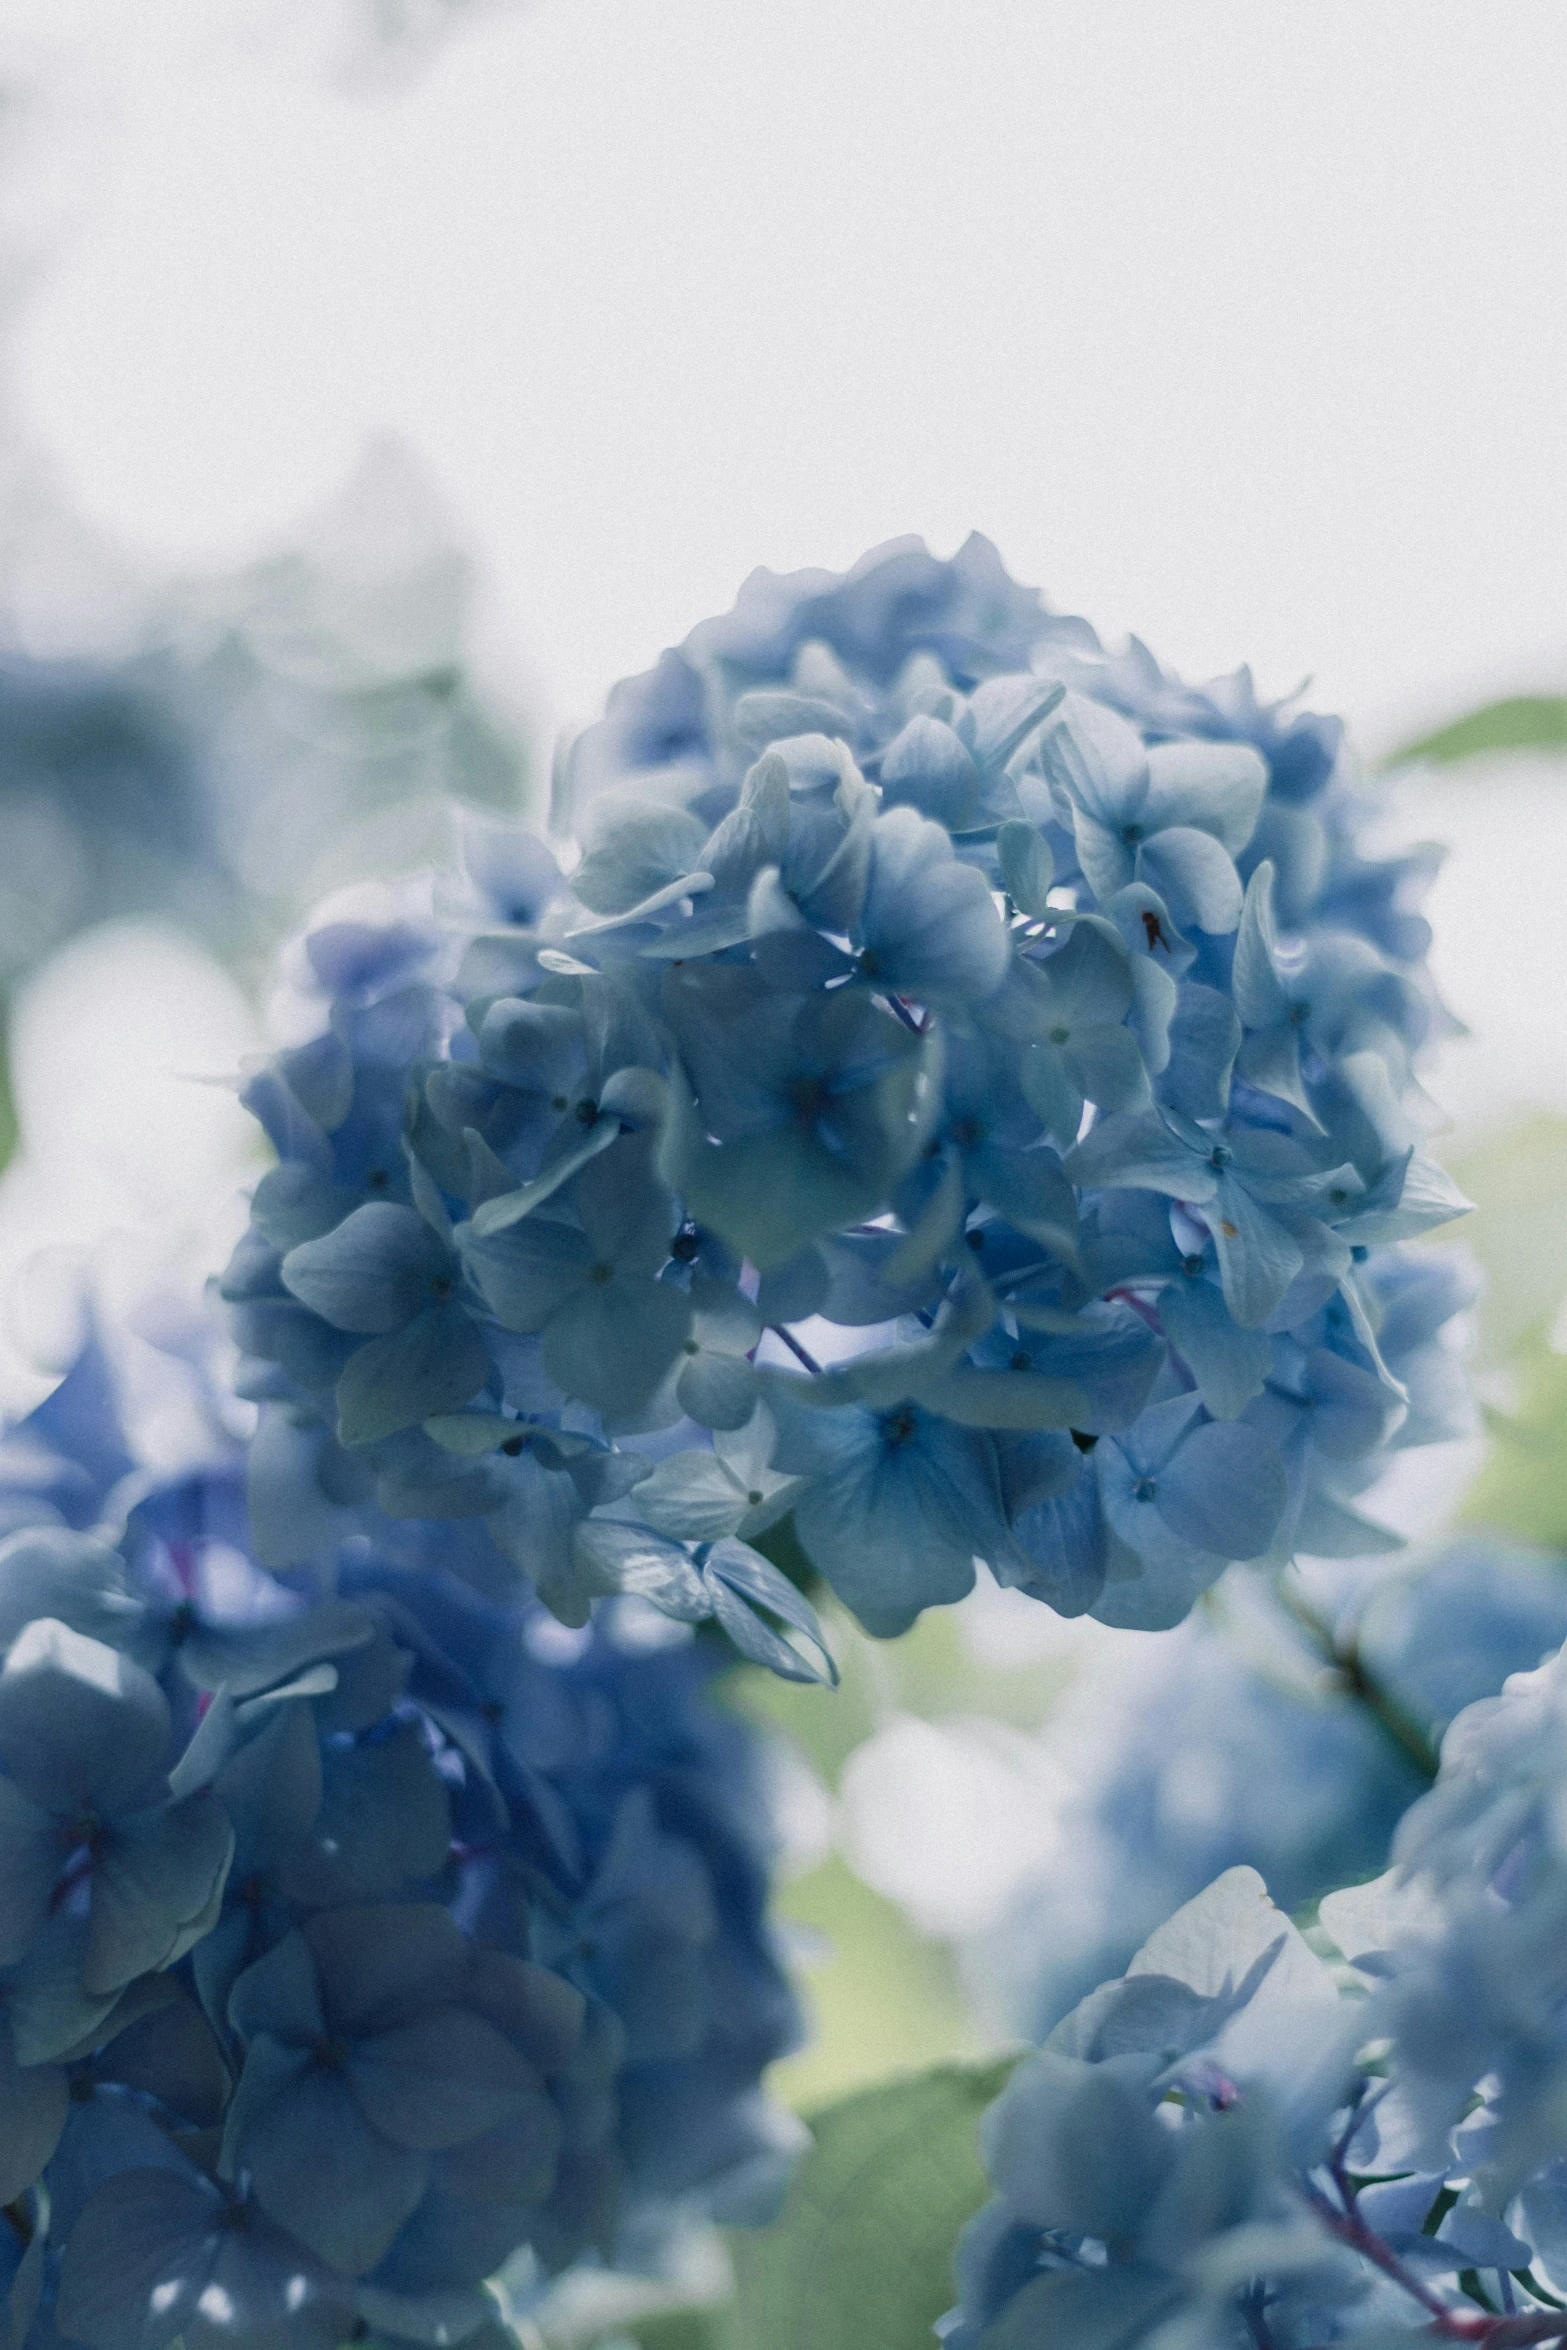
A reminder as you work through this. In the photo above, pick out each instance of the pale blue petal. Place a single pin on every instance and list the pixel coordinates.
(1027, 868)
(1053, 1088)
(719, 1391)
(1205, 1037)
(1260, 999)
(523, 1274)
(896, 1523)
(928, 768)
(1224, 1490)
(1217, 787)
(437, 1363)
(1195, 877)
(1098, 760)
(440, 2080)
(739, 1568)
(631, 851)
(692, 1497)
(1108, 863)
(1085, 983)
(1258, 1256)
(318, 2168)
(626, 1213)
(372, 1272)
(49, 1571)
(1136, 1150)
(630, 1558)
(34, 2101)
(1228, 1363)
(80, 1725)
(156, 1883)
(612, 1345)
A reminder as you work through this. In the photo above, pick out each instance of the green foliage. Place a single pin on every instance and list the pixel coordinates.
(685, 2329)
(860, 2257)
(880, 1996)
(1524, 722)
(1518, 1182)
(1519, 1233)
(1522, 1489)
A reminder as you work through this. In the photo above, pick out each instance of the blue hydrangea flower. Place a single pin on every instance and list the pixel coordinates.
(1146, 2190)
(89, 1817)
(1387, 2092)
(906, 937)
(359, 1943)
(1248, 1741)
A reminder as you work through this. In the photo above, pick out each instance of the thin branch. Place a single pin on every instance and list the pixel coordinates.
(1351, 2229)
(794, 1346)
(1345, 1658)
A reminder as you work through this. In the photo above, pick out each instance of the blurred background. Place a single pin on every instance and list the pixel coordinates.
(382, 379)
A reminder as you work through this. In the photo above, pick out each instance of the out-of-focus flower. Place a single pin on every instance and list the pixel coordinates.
(251, 740)
(360, 1942)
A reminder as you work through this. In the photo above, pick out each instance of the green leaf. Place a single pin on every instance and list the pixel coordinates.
(1522, 1489)
(683, 2329)
(1517, 1179)
(1525, 722)
(861, 2256)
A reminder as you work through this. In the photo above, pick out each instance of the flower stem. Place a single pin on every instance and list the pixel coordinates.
(794, 1346)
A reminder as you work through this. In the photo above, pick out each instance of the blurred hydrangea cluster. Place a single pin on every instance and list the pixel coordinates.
(1290, 1731)
(1258, 2137)
(361, 1937)
(955, 1091)
(237, 743)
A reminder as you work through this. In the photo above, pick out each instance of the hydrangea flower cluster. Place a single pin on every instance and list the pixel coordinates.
(1256, 2137)
(1292, 1747)
(956, 1093)
(356, 1942)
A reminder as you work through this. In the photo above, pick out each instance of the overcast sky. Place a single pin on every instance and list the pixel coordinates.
(1238, 324)
(1241, 325)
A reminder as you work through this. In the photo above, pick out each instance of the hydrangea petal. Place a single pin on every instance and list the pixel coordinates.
(613, 1345)
(155, 1886)
(319, 2169)
(34, 2101)
(439, 2080)
(371, 1272)
(435, 1363)
(80, 1725)
(30, 1859)
(1224, 1490)
(1229, 1363)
